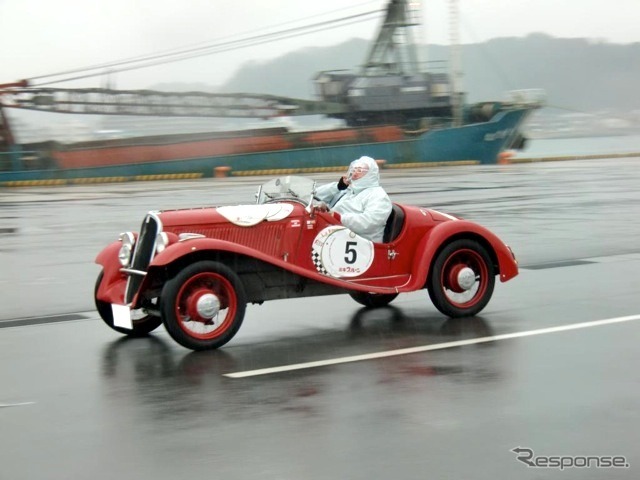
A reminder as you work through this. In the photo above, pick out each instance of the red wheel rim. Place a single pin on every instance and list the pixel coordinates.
(190, 321)
(457, 295)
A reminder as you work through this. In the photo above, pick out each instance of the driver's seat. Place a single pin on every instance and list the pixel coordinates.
(394, 224)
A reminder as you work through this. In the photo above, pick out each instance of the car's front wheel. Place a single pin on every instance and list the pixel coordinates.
(142, 326)
(462, 279)
(203, 305)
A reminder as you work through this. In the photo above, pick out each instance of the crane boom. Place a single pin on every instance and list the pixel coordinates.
(100, 101)
(391, 83)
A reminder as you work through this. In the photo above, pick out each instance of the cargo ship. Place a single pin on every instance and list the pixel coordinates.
(391, 110)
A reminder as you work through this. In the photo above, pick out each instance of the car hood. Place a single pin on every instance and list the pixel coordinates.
(241, 215)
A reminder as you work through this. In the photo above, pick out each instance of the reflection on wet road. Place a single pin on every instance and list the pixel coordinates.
(429, 348)
(89, 404)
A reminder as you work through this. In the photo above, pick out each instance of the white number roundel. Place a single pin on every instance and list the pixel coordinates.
(339, 252)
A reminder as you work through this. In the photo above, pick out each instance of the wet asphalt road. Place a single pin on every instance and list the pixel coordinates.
(78, 401)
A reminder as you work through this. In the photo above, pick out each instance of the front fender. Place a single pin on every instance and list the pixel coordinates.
(108, 254)
(447, 231)
(177, 251)
(180, 249)
(112, 286)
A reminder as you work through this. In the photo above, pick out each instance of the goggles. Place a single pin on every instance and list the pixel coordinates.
(359, 170)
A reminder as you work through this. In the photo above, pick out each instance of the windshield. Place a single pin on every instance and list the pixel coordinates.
(287, 187)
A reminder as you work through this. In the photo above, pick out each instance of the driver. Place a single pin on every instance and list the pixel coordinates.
(362, 203)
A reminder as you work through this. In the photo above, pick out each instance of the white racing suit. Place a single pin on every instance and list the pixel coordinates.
(363, 206)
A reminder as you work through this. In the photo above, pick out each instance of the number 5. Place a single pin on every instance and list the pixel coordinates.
(351, 254)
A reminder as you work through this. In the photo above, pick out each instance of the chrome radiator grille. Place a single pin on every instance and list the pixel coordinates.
(143, 253)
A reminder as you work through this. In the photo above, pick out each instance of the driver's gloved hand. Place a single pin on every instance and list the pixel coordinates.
(342, 185)
(322, 207)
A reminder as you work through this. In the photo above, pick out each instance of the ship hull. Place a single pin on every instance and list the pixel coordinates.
(479, 143)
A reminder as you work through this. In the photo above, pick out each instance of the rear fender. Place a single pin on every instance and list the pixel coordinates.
(446, 232)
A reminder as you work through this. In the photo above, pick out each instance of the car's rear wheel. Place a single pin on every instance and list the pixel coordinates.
(203, 306)
(373, 300)
(462, 279)
(142, 325)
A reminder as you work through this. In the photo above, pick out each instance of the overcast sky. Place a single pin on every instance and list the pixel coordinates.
(39, 37)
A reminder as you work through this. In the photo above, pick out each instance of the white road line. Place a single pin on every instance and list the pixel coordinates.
(428, 348)
(4, 405)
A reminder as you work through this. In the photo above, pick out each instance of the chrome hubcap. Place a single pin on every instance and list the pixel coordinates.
(466, 278)
(208, 305)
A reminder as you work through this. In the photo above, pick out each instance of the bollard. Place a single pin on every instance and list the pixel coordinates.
(222, 172)
(504, 158)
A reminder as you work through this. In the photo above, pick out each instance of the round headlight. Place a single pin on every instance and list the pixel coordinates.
(124, 255)
(162, 240)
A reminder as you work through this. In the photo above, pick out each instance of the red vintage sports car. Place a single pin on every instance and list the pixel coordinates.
(195, 270)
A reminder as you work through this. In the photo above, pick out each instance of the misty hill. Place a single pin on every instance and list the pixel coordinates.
(580, 74)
